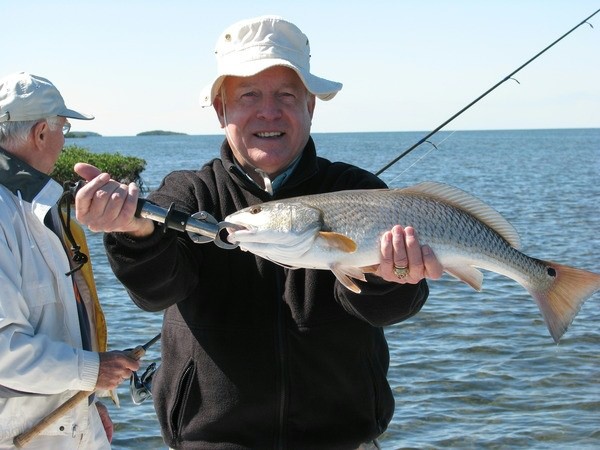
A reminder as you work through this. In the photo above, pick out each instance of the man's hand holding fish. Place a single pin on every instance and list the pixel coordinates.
(404, 260)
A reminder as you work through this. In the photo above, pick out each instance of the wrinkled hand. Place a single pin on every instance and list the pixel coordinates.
(115, 367)
(400, 248)
(104, 204)
(107, 422)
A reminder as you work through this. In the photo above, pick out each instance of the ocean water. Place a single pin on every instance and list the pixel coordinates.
(473, 370)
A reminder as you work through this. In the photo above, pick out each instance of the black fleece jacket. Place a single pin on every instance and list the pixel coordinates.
(255, 355)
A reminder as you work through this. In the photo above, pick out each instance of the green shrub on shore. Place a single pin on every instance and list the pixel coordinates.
(123, 168)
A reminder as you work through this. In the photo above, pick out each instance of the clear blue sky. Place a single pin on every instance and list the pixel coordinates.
(139, 65)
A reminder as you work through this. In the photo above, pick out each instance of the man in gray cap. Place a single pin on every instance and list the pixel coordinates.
(52, 330)
(255, 355)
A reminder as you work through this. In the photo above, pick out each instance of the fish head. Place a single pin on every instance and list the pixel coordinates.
(276, 230)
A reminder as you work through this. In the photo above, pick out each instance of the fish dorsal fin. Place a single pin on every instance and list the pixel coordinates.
(470, 204)
(339, 241)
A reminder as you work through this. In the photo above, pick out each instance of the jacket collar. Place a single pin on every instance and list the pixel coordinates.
(28, 183)
(304, 168)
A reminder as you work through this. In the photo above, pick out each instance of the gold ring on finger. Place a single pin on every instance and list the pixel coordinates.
(401, 272)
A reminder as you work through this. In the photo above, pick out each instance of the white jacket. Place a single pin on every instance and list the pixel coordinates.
(42, 363)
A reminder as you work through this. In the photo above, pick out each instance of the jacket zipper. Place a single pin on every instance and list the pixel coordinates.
(180, 400)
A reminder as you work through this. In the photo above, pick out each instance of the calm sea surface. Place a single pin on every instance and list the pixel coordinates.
(473, 369)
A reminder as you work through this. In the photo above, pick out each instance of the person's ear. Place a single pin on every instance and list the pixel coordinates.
(40, 133)
(219, 109)
(311, 102)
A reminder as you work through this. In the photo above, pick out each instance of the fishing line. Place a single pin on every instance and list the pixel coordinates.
(508, 77)
(433, 147)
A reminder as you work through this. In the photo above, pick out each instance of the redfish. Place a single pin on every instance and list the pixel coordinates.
(340, 231)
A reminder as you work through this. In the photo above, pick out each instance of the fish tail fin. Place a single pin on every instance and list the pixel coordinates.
(562, 301)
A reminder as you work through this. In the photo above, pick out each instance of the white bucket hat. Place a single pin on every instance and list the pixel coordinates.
(29, 97)
(251, 46)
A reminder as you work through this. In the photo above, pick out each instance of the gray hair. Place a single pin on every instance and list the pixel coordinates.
(14, 134)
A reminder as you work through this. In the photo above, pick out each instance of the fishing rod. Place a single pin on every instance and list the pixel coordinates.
(24, 438)
(508, 77)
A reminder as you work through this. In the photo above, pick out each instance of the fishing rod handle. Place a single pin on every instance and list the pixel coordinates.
(24, 438)
(137, 352)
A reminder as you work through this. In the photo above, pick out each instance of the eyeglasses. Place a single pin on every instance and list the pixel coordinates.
(66, 127)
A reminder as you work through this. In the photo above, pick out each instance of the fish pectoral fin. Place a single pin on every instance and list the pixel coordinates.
(344, 274)
(339, 241)
(370, 269)
(469, 274)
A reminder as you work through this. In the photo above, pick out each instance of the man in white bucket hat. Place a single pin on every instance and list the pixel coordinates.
(269, 46)
(255, 355)
(52, 329)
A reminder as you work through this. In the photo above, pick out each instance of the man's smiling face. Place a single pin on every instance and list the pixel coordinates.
(267, 118)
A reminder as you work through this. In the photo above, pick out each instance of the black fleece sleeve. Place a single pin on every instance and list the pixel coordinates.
(382, 303)
(162, 269)
(152, 269)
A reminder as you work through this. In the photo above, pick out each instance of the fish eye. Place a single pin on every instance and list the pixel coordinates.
(255, 210)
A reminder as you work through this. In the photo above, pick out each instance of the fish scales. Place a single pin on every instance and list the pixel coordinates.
(364, 216)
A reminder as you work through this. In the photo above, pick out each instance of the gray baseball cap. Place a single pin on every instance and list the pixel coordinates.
(29, 97)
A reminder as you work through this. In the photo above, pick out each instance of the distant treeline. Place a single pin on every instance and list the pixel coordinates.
(81, 134)
(159, 133)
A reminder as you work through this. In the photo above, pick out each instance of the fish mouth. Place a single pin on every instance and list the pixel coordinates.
(233, 230)
(233, 227)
